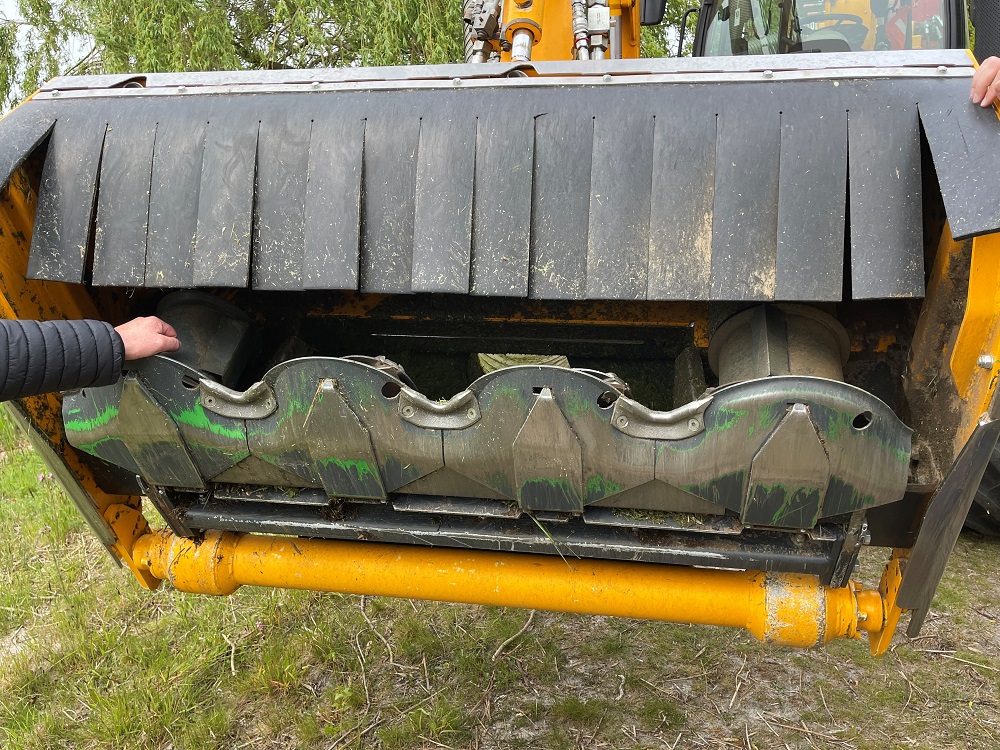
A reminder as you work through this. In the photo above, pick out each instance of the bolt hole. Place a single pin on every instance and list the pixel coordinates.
(607, 399)
(189, 382)
(862, 420)
(391, 390)
(537, 389)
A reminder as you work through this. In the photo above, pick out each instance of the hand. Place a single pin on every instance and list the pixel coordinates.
(986, 82)
(145, 337)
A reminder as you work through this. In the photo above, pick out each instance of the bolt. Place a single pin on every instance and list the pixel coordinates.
(407, 411)
(622, 421)
(182, 89)
(471, 414)
(694, 425)
(942, 69)
(985, 361)
(768, 74)
(315, 84)
(607, 78)
(55, 92)
(269, 403)
(456, 81)
(209, 401)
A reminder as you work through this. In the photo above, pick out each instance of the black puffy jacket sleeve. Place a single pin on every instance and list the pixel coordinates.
(40, 357)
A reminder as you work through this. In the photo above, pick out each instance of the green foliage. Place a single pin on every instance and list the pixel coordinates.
(116, 36)
(661, 41)
(53, 37)
(406, 32)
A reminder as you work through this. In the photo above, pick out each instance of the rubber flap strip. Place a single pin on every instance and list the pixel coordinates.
(653, 190)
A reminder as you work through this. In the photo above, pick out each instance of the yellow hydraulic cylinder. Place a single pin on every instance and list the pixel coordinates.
(781, 608)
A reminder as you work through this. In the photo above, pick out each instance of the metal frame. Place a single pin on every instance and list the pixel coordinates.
(585, 68)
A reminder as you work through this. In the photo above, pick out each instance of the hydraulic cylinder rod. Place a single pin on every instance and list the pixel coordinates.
(781, 608)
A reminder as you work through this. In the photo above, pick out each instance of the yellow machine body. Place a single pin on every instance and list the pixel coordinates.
(935, 344)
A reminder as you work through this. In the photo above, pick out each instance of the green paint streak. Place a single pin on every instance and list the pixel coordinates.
(711, 490)
(92, 448)
(726, 419)
(576, 405)
(799, 501)
(197, 418)
(767, 417)
(89, 425)
(562, 484)
(599, 486)
(510, 393)
(359, 468)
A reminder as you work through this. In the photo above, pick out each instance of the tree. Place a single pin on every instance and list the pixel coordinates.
(53, 37)
(661, 41)
(112, 36)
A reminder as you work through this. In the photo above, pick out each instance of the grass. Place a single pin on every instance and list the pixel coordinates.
(90, 660)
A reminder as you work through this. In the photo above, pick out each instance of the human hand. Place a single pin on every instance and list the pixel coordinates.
(144, 337)
(986, 82)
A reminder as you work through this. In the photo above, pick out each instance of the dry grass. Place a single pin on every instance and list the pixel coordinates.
(89, 660)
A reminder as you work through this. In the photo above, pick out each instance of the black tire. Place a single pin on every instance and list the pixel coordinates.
(984, 515)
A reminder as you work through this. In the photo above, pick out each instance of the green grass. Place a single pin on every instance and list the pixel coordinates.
(88, 659)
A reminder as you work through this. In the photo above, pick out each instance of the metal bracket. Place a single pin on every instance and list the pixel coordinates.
(129, 525)
(880, 640)
(160, 498)
(635, 420)
(256, 402)
(457, 413)
(382, 364)
(857, 535)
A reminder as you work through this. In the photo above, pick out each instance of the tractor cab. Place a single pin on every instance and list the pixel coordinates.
(767, 27)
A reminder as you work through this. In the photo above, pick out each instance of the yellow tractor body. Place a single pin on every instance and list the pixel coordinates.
(773, 279)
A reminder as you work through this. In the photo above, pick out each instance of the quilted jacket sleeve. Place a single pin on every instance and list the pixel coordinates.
(39, 357)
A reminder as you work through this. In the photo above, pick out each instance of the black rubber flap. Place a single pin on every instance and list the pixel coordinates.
(175, 185)
(61, 237)
(686, 191)
(279, 219)
(442, 225)
(560, 205)
(225, 201)
(501, 219)
(123, 204)
(965, 143)
(390, 176)
(682, 196)
(618, 241)
(23, 130)
(745, 216)
(333, 202)
(810, 256)
(887, 257)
